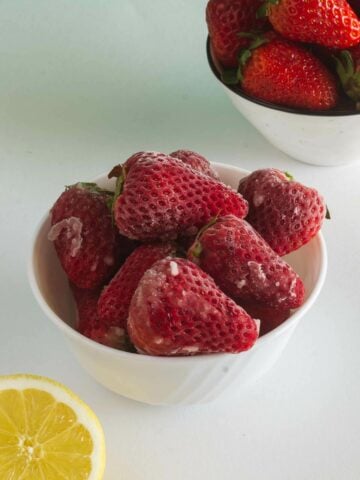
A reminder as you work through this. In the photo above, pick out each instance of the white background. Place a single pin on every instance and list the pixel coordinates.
(82, 86)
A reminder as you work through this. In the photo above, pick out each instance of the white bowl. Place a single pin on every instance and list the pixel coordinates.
(326, 138)
(161, 380)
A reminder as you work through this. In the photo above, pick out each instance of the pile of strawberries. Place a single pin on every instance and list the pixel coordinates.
(168, 265)
(297, 53)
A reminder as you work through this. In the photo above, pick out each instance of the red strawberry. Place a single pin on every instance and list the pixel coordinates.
(226, 19)
(348, 69)
(244, 266)
(89, 323)
(286, 213)
(284, 73)
(196, 161)
(114, 301)
(85, 239)
(131, 161)
(178, 310)
(331, 23)
(270, 318)
(163, 198)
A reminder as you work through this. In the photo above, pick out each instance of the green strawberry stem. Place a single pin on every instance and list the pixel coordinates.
(245, 54)
(263, 11)
(327, 216)
(230, 77)
(119, 173)
(196, 247)
(348, 74)
(234, 76)
(116, 172)
(289, 176)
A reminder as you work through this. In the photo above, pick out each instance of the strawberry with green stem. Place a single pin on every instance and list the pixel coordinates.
(244, 266)
(279, 71)
(85, 238)
(225, 20)
(286, 213)
(162, 198)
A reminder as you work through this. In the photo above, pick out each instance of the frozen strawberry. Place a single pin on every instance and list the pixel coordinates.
(244, 266)
(269, 317)
(131, 161)
(114, 301)
(285, 213)
(196, 161)
(89, 323)
(85, 239)
(163, 198)
(178, 310)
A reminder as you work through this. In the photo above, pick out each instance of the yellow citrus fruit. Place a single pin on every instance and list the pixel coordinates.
(47, 432)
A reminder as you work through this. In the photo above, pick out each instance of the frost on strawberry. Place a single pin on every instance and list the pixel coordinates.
(163, 198)
(177, 309)
(114, 301)
(286, 213)
(91, 326)
(85, 239)
(193, 159)
(196, 161)
(245, 267)
(133, 159)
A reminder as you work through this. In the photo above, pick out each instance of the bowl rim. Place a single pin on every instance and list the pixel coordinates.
(272, 106)
(88, 343)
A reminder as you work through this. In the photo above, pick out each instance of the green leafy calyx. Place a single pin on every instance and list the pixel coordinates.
(245, 54)
(235, 75)
(119, 173)
(349, 74)
(263, 11)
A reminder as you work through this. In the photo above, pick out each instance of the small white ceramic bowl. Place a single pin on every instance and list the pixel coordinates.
(161, 380)
(326, 138)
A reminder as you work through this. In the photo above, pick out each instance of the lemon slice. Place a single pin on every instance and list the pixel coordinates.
(47, 432)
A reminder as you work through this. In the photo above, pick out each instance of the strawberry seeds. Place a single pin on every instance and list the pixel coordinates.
(175, 262)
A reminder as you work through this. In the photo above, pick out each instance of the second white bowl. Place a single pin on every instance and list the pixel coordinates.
(325, 138)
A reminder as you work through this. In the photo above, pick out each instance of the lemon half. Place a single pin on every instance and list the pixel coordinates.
(47, 432)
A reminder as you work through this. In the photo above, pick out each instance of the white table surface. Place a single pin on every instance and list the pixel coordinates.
(82, 86)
